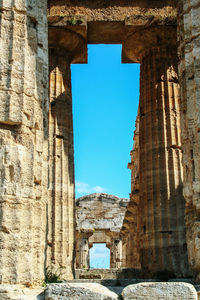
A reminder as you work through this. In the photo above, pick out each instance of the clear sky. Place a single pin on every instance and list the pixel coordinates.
(105, 101)
(99, 257)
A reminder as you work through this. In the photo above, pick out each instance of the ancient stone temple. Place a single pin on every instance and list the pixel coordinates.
(38, 41)
(99, 218)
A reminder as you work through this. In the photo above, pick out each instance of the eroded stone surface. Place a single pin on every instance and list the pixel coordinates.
(99, 219)
(78, 291)
(189, 54)
(100, 211)
(16, 292)
(157, 291)
(37, 227)
(23, 140)
(155, 215)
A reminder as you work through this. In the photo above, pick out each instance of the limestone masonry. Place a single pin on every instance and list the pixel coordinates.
(99, 218)
(157, 232)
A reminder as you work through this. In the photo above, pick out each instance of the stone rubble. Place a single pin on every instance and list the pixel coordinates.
(160, 290)
(79, 291)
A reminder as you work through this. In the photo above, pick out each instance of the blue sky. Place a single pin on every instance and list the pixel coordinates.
(105, 101)
(99, 256)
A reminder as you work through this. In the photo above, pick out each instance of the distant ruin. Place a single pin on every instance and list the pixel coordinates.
(99, 218)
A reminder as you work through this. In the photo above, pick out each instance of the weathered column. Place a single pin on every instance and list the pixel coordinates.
(161, 199)
(23, 139)
(124, 247)
(131, 221)
(161, 209)
(189, 54)
(61, 165)
(82, 252)
(65, 48)
(116, 253)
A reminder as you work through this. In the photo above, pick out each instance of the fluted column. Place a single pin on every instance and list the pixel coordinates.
(131, 220)
(23, 139)
(82, 252)
(61, 166)
(116, 253)
(161, 198)
(162, 205)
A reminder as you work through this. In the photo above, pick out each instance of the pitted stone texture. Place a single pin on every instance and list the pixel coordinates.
(23, 140)
(100, 211)
(99, 218)
(158, 291)
(61, 221)
(16, 292)
(189, 43)
(78, 291)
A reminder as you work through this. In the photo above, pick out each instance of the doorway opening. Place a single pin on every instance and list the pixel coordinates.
(105, 103)
(99, 256)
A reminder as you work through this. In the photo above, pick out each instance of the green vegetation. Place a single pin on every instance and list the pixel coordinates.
(52, 277)
(75, 21)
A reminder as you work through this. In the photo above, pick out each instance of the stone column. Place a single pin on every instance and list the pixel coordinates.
(161, 208)
(189, 55)
(66, 47)
(115, 246)
(124, 247)
(82, 253)
(116, 253)
(131, 220)
(61, 166)
(23, 139)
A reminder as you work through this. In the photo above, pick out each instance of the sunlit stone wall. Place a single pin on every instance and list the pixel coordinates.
(23, 140)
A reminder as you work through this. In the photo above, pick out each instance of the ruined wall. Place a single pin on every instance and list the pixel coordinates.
(23, 139)
(100, 211)
(189, 74)
(99, 219)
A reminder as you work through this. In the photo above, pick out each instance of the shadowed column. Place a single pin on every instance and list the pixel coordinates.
(161, 207)
(61, 166)
(66, 47)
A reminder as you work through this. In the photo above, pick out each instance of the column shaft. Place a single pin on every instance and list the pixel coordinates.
(161, 200)
(61, 167)
(116, 253)
(23, 139)
(82, 254)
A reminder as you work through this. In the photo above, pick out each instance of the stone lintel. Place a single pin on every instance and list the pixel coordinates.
(83, 235)
(112, 10)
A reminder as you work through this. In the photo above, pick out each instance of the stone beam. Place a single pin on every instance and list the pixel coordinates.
(106, 20)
